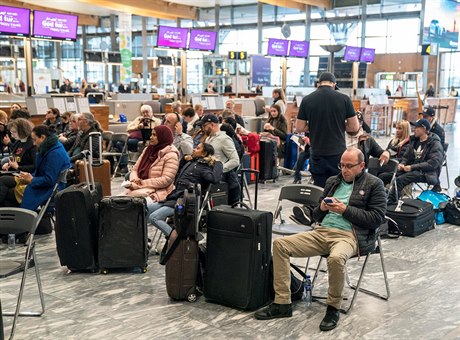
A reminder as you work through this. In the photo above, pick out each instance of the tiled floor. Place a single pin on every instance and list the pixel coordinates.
(424, 274)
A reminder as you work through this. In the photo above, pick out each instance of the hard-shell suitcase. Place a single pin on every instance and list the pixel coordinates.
(180, 254)
(76, 210)
(122, 233)
(414, 217)
(250, 161)
(268, 160)
(238, 257)
(101, 168)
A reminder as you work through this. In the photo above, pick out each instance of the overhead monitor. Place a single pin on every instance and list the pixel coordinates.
(114, 57)
(367, 55)
(277, 47)
(14, 21)
(352, 53)
(172, 37)
(93, 56)
(440, 23)
(299, 49)
(202, 40)
(48, 25)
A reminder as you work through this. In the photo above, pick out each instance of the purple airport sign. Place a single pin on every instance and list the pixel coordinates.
(202, 40)
(14, 21)
(367, 55)
(299, 49)
(50, 25)
(172, 37)
(352, 53)
(277, 47)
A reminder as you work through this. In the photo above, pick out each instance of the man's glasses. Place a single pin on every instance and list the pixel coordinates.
(348, 166)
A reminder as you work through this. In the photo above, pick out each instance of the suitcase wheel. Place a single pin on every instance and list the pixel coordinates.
(144, 269)
(192, 297)
(104, 271)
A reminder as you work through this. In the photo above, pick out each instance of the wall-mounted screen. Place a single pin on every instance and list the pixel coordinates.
(352, 53)
(277, 47)
(93, 57)
(440, 23)
(14, 21)
(114, 57)
(299, 49)
(172, 37)
(367, 55)
(202, 40)
(48, 25)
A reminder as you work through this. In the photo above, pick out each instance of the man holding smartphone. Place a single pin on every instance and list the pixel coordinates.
(352, 206)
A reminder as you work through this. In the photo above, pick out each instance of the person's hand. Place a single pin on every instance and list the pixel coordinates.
(188, 157)
(323, 206)
(6, 140)
(5, 166)
(306, 140)
(25, 178)
(140, 126)
(401, 167)
(407, 168)
(62, 139)
(178, 128)
(338, 206)
(13, 163)
(384, 157)
(268, 126)
(136, 181)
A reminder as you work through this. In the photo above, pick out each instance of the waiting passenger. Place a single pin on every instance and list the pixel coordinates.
(225, 152)
(199, 110)
(421, 162)
(430, 115)
(230, 105)
(53, 119)
(20, 113)
(358, 206)
(278, 98)
(22, 152)
(87, 125)
(199, 168)
(276, 125)
(3, 132)
(153, 174)
(190, 117)
(65, 118)
(182, 141)
(69, 136)
(15, 106)
(145, 121)
(399, 144)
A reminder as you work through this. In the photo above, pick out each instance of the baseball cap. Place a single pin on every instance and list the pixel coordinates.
(208, 119)
(422, 123)
(327, 76)
(429, 111)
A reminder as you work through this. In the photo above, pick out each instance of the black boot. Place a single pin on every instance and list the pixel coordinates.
(274, 311)
(330, 319)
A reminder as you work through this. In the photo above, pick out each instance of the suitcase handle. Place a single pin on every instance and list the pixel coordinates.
(242, 204)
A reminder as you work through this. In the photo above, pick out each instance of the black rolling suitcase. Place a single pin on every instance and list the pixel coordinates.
(268, 160)
(238, 257)
(77, 223)
(180, 254)
(414, 217)
(122, 233)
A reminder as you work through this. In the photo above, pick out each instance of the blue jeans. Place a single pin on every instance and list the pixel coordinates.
(300, 164)
(157, 215)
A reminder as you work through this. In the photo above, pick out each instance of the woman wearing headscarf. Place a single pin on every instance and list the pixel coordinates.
(154, 172)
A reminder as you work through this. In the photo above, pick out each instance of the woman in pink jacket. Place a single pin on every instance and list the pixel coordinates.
(154, 172)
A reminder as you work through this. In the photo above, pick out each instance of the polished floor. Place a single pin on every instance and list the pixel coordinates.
(424, 274)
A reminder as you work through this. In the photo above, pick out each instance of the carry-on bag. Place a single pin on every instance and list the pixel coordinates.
(180, 253)
(101, 168)
(122, 233)
(268, 160)
(76, 210)
(290, 152)
(238, 257)
(414, 217)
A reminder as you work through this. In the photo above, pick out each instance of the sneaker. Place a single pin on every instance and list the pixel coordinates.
(274, 311)
(300, 216)
(437, 188)
(330, 319)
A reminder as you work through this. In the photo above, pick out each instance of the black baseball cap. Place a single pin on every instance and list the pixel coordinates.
(208, 119)
(327, 76)
(422, 123)
(429, 111)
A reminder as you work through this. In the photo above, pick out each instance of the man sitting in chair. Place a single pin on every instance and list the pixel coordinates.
(421, 162)
(352, 206)
(201, 167)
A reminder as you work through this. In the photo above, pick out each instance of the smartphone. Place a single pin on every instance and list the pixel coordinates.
(328, 200)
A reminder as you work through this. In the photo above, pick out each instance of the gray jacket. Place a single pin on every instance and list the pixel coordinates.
(366, 208)
(183, 143)
(224, 150)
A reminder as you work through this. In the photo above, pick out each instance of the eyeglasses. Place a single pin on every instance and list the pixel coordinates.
(348, 166)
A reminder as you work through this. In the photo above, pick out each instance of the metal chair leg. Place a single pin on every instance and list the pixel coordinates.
(447, 174)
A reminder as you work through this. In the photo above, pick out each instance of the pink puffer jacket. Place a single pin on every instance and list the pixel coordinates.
(162, 173)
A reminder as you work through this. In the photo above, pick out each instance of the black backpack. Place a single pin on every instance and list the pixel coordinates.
(452, 211)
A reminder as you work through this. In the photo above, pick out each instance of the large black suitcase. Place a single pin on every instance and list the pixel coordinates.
(238, 257)
(414, 216)
(268, 160)
(122, 233)
(76, 225)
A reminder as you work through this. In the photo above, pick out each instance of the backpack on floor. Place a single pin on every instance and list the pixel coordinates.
(452, 211)
(439, 201)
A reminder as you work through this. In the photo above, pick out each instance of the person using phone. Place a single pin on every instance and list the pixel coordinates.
(352, 206)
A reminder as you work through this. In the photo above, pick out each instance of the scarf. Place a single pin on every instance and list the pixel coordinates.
(47, 144)
(165, 138)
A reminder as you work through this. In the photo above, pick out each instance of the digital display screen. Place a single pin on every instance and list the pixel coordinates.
(14, 21)
(48, 25)
(277, 47)
(299, 49)
(352, 53)
(367, 55)
(172, 37)
(202, 40)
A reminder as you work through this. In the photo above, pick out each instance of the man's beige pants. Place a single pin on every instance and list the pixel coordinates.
(339, 244)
